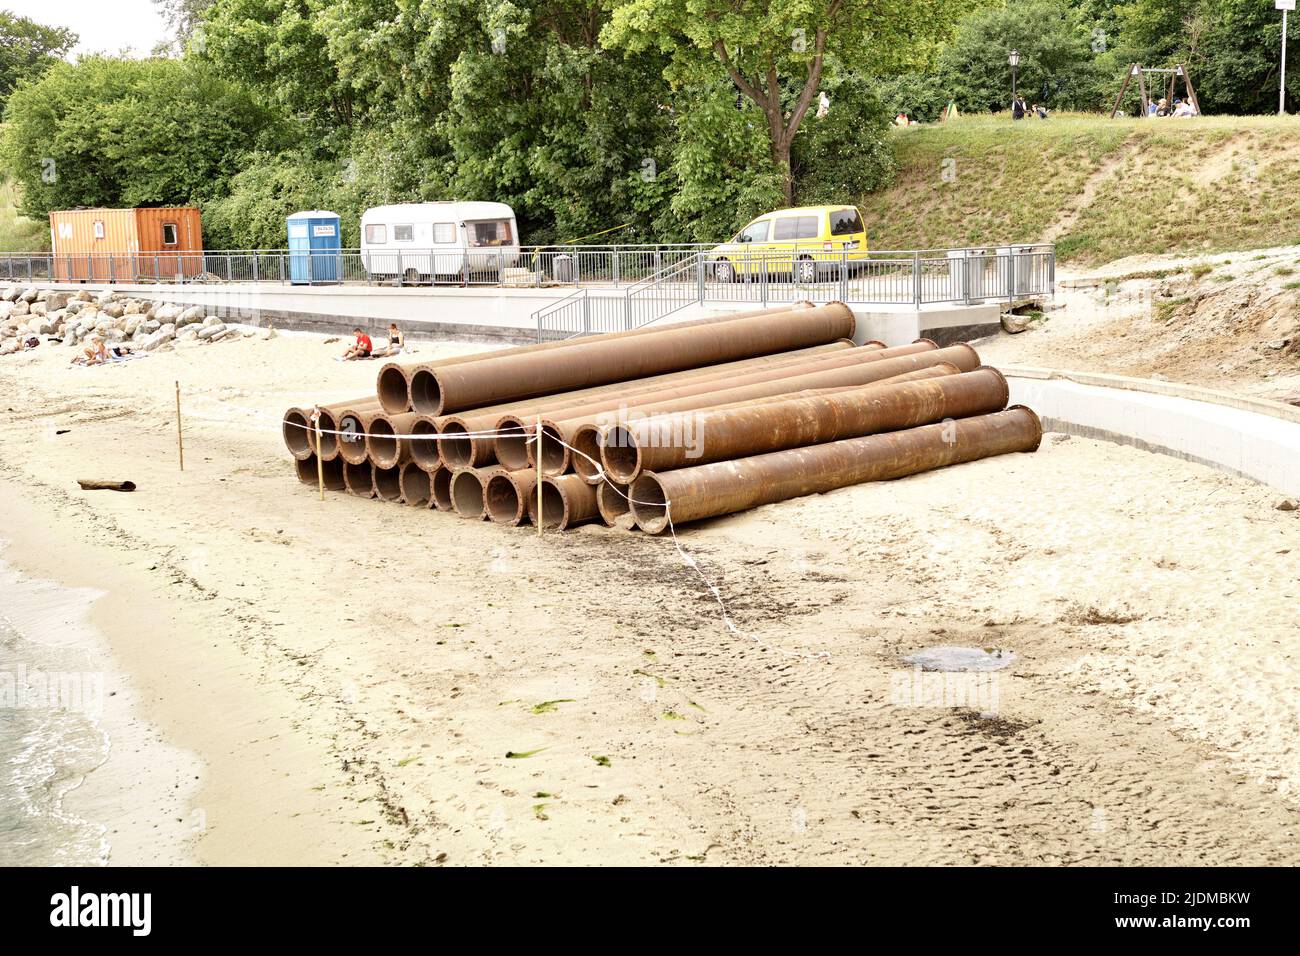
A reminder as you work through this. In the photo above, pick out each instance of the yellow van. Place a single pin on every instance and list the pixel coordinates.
(808, 243)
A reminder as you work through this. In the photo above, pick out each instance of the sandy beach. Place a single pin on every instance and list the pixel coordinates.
(356, 682)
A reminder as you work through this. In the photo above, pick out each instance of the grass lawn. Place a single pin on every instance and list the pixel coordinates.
(18, 234)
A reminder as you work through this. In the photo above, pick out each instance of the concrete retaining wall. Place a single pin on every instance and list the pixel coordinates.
(1244, 436)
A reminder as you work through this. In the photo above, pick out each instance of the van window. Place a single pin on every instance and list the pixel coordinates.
(756, 231)
(444, 232)
(169, 233)
(489, 232)
(796, 227)
(376, 235)
(845, 222)
(403, 233)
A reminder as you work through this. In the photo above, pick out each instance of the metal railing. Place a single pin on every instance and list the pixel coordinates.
(889, 277)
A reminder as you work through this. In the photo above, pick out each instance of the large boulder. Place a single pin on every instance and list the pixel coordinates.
(21, 307)
(83, 296)
(29, 294)
(167, 313)
(8, 293)
(210, 332)
(113, 309)
(190, 316)
(159, 338)
(133, 307)
(151, 326)
(57, 300)
(132, 323)
(37, 308)
(107, 296)
(6, 309)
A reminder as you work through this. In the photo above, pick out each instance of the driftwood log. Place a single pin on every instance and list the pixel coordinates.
(94, 484)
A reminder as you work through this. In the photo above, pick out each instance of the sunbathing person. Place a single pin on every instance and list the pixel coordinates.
(362, 348)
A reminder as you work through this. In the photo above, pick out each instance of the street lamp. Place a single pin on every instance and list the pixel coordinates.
(1014, 60)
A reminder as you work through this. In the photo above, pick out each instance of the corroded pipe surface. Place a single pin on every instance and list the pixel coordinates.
(440, 489)
(295, 427)
(506, 494)
(472, 384)
(359, 478)
(425, 451)
(354, 425)
(309, 475)
(388, 483)
(513, 449)
(467, 486)
(403, 387)
(611, 500)
(415, 485)
(566, 501)
(383, 446)
(962, 356)
(724, 487)
(475, 452)
(687, 439)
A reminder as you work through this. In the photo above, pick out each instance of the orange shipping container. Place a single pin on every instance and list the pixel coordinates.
(126, 245)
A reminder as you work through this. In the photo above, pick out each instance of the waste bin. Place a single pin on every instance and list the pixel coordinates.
(315, 247)
(562, 268)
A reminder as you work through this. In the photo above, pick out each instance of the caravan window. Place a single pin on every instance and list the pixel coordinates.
(376, 235)
(489, 232)
(169, 233)
(403, 233)
(444, 233)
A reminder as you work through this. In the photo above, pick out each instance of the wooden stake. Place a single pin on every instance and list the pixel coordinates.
(320, 459)
(538, 452)
(180, 439)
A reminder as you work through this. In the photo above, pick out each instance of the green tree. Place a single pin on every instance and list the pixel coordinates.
(123, 132)
(28, 49)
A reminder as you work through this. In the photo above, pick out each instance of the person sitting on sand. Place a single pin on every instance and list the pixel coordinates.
(362, 348)
(396, 340)
(95, 355)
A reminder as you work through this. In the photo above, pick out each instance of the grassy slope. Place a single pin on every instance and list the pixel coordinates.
(18, 234)
(1153, 187)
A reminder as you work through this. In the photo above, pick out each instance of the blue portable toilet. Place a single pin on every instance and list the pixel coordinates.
(315, 247)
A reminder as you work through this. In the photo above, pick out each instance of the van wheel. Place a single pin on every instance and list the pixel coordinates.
(723, 271)
(807, 270)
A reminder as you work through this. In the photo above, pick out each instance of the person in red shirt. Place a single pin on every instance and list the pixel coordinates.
(362, 349)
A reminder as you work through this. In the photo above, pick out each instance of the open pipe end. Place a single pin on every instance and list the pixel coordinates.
(425, 392)
(611, 499)
(352, 441)
(455, 446)
(512, 445)
(393, 389)
(619, 452)
(555, 510)
(502, 501)
(555, 456)
(440, 490)
(649, 503)
(467, 494)
(298, 437)
(388, 483)
(309, 474)
(1038, 423)
(415, 485)
(382, 444)
(587, 458)
(424, 450)
(329, 442)
(359, 478)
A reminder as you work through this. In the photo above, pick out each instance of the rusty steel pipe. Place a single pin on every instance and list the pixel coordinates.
(475, 452)
(725, 487)
(612, 503)
(587, 456)
(440, 489)
(354, 425)
(308, 473)
(687, 439)
(388, 482)
(401, 387)
(514, 449)
(566, 500)
(383, 446)
(471, 384)
(298, 433)
(359, 478)
(506, 495)
(415, 485)
(467, 486)
(560, 434)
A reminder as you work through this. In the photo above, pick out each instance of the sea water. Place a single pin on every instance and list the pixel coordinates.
(50, 739)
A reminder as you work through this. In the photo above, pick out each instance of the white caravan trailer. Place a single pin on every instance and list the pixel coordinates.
(430, 241)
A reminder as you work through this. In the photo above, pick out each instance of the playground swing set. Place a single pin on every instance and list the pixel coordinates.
(1141, 72)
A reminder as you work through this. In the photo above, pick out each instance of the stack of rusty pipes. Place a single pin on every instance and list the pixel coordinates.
(661, 425)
